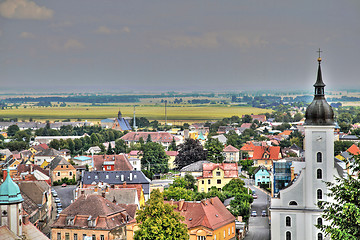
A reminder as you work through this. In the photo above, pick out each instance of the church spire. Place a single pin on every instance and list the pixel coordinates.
(319, 85)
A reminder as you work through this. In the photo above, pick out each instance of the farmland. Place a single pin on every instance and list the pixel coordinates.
(190, 113)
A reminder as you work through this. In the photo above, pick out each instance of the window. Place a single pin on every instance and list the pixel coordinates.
(93, 237)
(224, 233)
(202, 189)
(75, 236)
(102, 237)
(209, 181)
(70, 173)
(319, 174)
(62, 166)
(320, 236)
(58, 173)
(288, 235)
(202, 181)
(108, 167)
(293, 203)
(201, 238)
(217, 173)
(229, 231)
(319, 221)
(67, 236)
(215, 237)
(288, 221)
(208, 189)
(218, 181)
(319, 157)
(58, 236)
(319, 194)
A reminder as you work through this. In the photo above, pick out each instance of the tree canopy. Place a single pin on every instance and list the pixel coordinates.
(343, 214)
(189, 152)
(159, 221)
(154, 154)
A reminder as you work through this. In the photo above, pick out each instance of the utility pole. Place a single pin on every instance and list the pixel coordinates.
(165, 114)
(134, 122)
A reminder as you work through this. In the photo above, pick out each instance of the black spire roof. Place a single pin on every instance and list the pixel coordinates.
(319, 112)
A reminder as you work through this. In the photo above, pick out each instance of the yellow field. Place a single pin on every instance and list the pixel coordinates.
(152, 112)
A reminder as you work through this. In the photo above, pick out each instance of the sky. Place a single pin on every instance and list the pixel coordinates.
(185, 45)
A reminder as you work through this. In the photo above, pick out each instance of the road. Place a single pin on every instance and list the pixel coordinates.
(259, 228)
(66, 194)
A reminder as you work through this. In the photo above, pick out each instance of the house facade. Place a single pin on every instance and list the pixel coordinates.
(216, 175)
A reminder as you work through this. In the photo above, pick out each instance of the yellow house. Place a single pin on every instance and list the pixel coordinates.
(216, 175)
(172, 155)
(60, 168)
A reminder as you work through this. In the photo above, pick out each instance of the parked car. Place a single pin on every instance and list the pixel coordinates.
(59, 210)
(253, 214)
(58, 205)
(57, 200)
(254, 196)
(263, 213)
(54, 193)
(64, 185)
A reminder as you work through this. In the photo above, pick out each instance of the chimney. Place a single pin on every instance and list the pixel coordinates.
(31, 168)
(211, 201)
(181, 204)
(106, 189)
(25, 219)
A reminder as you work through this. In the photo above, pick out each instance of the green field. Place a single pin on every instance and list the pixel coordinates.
(152, 112)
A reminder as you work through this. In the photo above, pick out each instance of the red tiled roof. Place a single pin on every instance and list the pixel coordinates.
(248, 147)
(354, 150)
(41, 147)
(134, 153)
(107, 214)
(230, 148)
(27, 168)
(285, 132)
(155, 136)
(246, 125)
(230, 169)
(273, 152)
(121, 162)
(210, 213)
(172, 153)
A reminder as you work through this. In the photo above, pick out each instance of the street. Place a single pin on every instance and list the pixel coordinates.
(259, 228)
(66, 194)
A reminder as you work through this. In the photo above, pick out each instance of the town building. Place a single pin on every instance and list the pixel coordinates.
(231, 154)
(294, 212)
(195, 169)
(266, 155)
(262, 176)
(164, 138)
(116, 179)
(216, 175)
(207, 219)
(60, 168)
(91, 217)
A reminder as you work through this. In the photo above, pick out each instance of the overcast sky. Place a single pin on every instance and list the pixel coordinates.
(151, 45)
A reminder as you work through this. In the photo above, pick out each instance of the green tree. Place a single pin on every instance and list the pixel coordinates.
(214, 150)
(343, 214)
(172, 146)
(11, 130)
(189, 152)
(120, 146)
(158, 220)
(94, 138)
(148, 139)
(247, 119)
(154, 154)
(55, 144)
(109, 150)
(240, 206)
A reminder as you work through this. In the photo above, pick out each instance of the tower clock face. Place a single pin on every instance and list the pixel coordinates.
(319, 138)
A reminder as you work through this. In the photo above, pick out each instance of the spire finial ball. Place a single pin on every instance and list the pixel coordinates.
(319, 59)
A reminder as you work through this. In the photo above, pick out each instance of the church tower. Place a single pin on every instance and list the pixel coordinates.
(294, 213)
(10, 205)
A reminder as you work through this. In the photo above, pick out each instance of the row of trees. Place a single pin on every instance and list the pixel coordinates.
(185, 188)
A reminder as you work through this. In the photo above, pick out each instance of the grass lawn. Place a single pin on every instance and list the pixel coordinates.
(188, 113)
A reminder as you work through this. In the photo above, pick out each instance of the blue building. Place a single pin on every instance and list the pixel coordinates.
(282, 175)
(262, 176)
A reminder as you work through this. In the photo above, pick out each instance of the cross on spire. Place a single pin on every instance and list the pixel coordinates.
(319, 59)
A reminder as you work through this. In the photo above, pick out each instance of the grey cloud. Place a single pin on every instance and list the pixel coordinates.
(24, 9)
